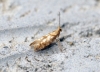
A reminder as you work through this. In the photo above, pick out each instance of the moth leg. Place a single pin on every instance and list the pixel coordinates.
(36, 33)
(59, 44)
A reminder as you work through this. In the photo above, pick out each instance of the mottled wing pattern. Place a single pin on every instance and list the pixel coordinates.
(45, 40)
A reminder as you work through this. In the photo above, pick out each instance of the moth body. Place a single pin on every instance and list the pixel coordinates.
(45, 40)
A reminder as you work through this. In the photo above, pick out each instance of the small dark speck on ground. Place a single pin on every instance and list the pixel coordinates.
(5, 47)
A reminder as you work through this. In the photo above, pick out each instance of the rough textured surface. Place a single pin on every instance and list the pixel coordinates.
(23, 21)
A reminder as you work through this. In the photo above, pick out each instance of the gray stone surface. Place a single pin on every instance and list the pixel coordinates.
(23, 21)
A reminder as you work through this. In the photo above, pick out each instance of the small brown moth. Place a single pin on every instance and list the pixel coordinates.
(47, 39)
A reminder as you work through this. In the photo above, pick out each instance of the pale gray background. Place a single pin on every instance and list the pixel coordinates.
(20, 20)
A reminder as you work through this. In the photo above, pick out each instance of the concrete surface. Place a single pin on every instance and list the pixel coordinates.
(23, 21)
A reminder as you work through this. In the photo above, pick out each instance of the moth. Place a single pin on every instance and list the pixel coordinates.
(46, 40)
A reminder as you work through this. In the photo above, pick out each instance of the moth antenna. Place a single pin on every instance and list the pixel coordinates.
(36, 33)
(59, 19)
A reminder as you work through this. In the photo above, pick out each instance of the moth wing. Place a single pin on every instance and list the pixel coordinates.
(38, 40)
(35, 42)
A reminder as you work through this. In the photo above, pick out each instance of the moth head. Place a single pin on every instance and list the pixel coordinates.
(60, 29)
